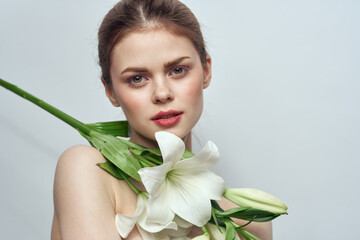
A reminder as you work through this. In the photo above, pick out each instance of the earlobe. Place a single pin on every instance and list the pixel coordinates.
(110, 93)
(207, 72)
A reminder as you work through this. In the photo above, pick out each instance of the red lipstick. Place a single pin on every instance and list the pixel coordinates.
(167, 119)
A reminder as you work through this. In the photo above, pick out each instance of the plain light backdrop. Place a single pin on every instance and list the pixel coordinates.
(283, 105)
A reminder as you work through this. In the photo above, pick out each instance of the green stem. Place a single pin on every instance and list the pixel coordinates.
(125, 177)
(247, 234)
(214, 217)
(47, 107)
(157, 161)
(203, 228)
(142, 159)
(145, 161)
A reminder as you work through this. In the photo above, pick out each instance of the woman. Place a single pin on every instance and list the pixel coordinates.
(155, 67)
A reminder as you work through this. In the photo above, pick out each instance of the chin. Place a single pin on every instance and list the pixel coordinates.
(179, 133)
(147, 139)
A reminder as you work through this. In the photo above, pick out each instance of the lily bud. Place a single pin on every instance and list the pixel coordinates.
(218, 233)
(251, 197)
(202, 237)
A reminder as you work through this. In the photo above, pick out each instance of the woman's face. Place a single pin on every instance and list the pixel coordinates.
(158, 81)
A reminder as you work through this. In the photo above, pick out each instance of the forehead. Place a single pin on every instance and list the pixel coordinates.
(152, 47)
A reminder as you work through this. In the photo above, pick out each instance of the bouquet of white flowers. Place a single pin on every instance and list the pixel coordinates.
(181, 191)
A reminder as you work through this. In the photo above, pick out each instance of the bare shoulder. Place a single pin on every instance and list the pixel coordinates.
(80, 154)
(84, 197)
(259, 229)
(77, 168)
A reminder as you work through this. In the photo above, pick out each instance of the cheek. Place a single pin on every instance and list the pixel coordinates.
(131, 103)
(194, 92)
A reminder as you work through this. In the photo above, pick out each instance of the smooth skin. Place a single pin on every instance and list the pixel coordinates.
(151, 71)
(157, 71)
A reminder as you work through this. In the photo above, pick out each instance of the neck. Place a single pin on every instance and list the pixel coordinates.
(149, 143)
(188, 142)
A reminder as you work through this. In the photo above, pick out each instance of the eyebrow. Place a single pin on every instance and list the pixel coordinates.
(174, 62)
(166, 65)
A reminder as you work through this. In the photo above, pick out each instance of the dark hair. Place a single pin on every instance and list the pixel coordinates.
(140, 15)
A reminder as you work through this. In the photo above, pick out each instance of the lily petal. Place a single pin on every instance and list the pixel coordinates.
(172, 147)
(153, 177)
(180, 233)
(206, 158)
(158, 210)
(152, 236)
(181, 222)
(208, 182)
(125, 224)
(202, 237)
(188, 201)
(152, 227)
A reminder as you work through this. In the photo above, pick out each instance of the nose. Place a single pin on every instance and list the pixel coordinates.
(162, 92)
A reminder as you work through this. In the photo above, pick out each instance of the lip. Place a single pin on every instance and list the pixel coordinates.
(167, 118)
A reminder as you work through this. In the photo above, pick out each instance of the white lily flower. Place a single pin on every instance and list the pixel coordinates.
(182, 187)
(125, 224)
(218, 233)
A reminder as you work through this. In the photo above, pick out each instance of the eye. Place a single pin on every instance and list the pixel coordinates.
(136, 81)
(179, 71)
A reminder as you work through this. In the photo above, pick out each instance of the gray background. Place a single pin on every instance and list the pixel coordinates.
(283, 106)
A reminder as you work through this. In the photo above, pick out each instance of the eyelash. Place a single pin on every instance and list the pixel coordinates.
(184, 69)
(136, 85)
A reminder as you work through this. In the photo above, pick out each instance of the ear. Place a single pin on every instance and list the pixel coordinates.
(207, 72)
(110, 93)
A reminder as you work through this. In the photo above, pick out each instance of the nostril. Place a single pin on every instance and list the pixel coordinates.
(163, 95)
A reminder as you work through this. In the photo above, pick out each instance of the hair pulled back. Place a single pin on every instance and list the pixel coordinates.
(140, 15)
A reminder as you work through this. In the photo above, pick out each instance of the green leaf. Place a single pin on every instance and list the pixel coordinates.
(243, 233)
(110, 168)
(187, 154)
(247, 235)
(145, 151)
(154, 151)
(114, 128)
(116, 151)
(152, 156)
(144, 162)
(250, 214)
(214, 219)
(230, 231)
(215, 205)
